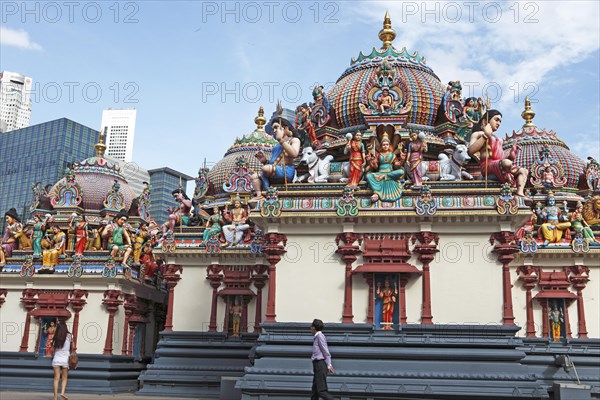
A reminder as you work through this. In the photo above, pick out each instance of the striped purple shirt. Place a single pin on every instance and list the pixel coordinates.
(320, 351)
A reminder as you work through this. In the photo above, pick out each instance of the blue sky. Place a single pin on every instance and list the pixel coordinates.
(198, 71)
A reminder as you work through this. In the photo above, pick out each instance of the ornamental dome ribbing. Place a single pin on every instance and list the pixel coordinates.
(418, 82)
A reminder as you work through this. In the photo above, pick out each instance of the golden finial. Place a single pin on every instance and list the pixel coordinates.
(260, 119)
(528, 114)
(100, 146)
(387, 34)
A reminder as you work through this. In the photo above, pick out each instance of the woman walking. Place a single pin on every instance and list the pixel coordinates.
(60, 362)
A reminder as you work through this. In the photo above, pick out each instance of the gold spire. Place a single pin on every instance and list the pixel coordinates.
(528, 114)
(387, 34)
(100, 146)
(260, 119)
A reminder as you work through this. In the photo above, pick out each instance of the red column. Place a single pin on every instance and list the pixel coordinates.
(545, 326)
(505, 248)
(369, 278)
(244, 321)
(567, 322)
(129, 306)
(111, 302)
(403, 282)
(348, 252)
(426, 249)
(213, 273)
(29, 301)
(529, 281)
(579, 279)
(273, 252)
(132, 325)
(77, 302)
(259, 279)
(171, 277)
(3, 293)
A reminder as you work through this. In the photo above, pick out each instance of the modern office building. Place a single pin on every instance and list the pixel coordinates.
(39, 153)
(164, 181)
(120, 132)
(133, 174)
(15, 101)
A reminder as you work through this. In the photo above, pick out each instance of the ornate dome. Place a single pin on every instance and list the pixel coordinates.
(246, 148)
(93, 184)
(418, 83)
(543, 148)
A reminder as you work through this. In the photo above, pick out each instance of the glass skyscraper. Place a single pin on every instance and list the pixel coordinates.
(163, 182)
(39, 153)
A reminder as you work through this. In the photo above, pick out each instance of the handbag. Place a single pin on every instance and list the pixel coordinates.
(73, 358)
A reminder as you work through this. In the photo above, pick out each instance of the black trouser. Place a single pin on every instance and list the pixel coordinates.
(319, 386)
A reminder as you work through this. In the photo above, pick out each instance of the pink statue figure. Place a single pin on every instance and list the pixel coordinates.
(237, 227)
(416, 148)
(79, 224)
(385, 101)
(356, 148)
(548, 177)
(11, 233)
(389, 297)
(492, 160)
(179, 215)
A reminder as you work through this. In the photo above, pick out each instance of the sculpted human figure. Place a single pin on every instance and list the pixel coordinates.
(281, 165)
(579, 223)
(10, 238)
(213, 225)
(121, 241)
(304, 122)
(548, 177)
(236, 316)
(179, 215)
(59, 242)
(385, 182)
(237, 217)
(79, 224)
(416, 148)
(141, 236)
(389, 297)
(492, 160)
(39, 228)
(554, 225)
(556, 319)
(356, 148)
(385, 101)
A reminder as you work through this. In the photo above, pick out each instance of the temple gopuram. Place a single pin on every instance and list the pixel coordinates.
(448, 258)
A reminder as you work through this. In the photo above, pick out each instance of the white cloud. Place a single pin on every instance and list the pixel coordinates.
(17, 38)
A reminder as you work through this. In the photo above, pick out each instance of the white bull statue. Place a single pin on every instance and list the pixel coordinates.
(318, 168)
(450, 167)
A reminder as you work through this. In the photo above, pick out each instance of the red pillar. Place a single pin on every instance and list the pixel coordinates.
(213, 273)
(111, 302)
(129, 306)
(77, 302)
(132, 325)
(273, 252)
(259, 279)
(29, 301)
(579, 279)
(426, 250)
(348, 252)
(529, 281)
(545, 326)
(505, 248)
(369, 278)
(3, 293)
(171, 277)
(403, 282)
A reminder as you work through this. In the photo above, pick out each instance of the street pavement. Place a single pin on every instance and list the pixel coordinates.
(81, 396)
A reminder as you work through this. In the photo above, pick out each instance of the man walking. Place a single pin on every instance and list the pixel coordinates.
(321, 359)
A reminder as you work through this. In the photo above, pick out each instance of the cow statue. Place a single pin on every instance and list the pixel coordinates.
(450, 167)
(318, 168)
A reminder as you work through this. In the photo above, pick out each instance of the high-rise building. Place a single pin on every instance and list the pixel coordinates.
(164, 181)
(39, 153)
(15, 101)
(120, 124)
(133, 174)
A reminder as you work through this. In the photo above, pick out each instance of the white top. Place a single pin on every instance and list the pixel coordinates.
(61, 356)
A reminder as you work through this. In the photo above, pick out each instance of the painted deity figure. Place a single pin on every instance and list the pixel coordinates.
(389, 296)
(79, 224)
(385, 101)
(147, 260)
(416, 148)
(304, 122)
(50, 330)
(181, 214)
(141, 236)
(578, 223)
(236, 316)
(11, 233)
(556, 320)
(492, 160)
(213, 225)
(385, 183)
(58, 245)
(554, 225)
(469, 119)
(281, 165)
(237, 217)
(356, 148)
(121, 241)
(548, 177)
(39, 229)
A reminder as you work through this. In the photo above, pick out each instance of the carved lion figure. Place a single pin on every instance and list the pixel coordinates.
(591, 211)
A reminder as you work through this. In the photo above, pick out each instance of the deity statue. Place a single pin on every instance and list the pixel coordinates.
(578, 223)
(121, 241)
(181, 214)
(389, 297)
(416, 148)
(144, 202)
(556, 320)
(147, 260)
(385, 101)
(49, 331)
(469, 118)
(236, 316)
(554, 222)
(281, 164)
(492, 159)
(213, 225)
(79, 224)
(548, 178)
(141, 236)
(237, 218)
(304, 122)
(356, 148)
(57, 248)
(11, 235)
(39, 228)
(385, 183)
